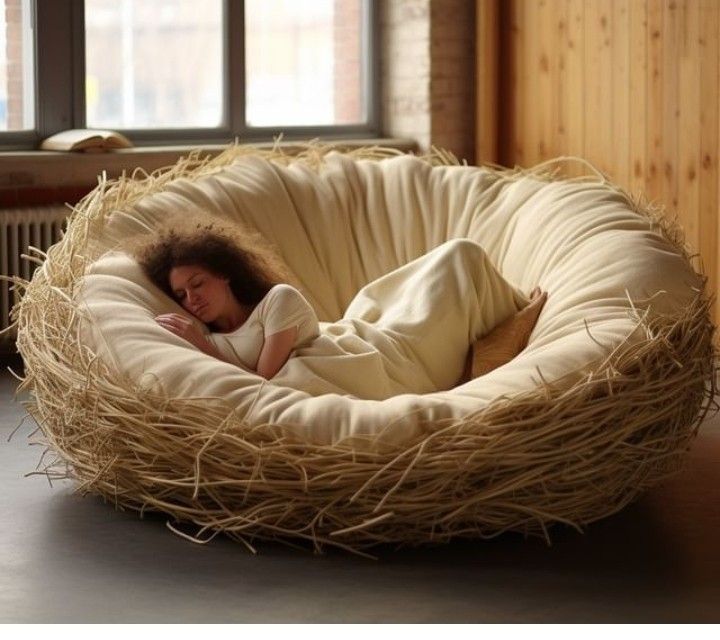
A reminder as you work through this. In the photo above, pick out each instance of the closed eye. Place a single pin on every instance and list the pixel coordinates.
(194, 285)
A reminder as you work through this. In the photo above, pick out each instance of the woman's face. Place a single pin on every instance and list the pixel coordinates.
(200, 291)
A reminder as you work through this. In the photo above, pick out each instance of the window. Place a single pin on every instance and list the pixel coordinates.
(17, 81)
(151, 65)
(173, 71)
(303, 62)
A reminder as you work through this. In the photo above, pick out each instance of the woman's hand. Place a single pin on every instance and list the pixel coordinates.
(183, 327)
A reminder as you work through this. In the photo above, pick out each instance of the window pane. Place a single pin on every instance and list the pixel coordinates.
(304, 62)
(153, 64)
(17, 101)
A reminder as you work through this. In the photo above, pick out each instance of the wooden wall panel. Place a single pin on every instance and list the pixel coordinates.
(486, 93)
(545, 118)
(708, 162)
(598, 95)
(686, 186)
(638, 72)
(653, 112)
(529, 12)
(669, 116)
(630, 85)
(572, 83)
(620, 69)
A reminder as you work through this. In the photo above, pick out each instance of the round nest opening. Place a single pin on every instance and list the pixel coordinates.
(576, 443)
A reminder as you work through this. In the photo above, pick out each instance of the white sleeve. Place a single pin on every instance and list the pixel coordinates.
(286, 307)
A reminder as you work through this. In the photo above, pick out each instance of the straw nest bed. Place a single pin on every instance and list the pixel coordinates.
(563, 453)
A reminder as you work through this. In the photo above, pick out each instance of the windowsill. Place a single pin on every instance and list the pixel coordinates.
(43, 169)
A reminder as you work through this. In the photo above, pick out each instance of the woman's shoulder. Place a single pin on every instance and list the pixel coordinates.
(287, 307)
(283, 287)
(284, 298)
(284, 291)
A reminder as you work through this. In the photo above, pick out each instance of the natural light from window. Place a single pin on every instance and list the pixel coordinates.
(160, 64)
(303, 62)
(17, 101)
(153, 64)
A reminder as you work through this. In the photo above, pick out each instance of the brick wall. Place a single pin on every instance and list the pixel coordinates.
(428, 73)
(347, 75)
(405, 69)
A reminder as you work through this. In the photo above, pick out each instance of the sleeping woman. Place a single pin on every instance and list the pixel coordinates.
(237, 287)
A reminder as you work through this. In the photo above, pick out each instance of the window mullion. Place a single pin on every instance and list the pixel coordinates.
(54, 78)
(78, 63)
(235, 69)
(371, 66)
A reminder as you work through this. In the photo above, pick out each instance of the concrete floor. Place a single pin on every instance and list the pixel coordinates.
(67, 558)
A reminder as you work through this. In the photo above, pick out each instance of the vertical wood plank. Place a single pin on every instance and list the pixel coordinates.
(545, 110)
(688, 124)
(561, 16)
(557, 13)
(598, 85)
(486, 89)
(574, 84)
(620, 40)
(654, 152)
(638, 91)
(531, 119)
(709, 132)
(670, 110)
(513, 147)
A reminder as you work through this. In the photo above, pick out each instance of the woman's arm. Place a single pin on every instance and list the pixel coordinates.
(273, 356)
(275, 352)
(185, 328)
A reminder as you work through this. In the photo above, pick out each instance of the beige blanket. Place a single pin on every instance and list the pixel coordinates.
(409, 330)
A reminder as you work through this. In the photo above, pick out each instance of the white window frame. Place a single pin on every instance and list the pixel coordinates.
(60, 84)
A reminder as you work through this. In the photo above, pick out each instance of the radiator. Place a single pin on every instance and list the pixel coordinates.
(20, 228)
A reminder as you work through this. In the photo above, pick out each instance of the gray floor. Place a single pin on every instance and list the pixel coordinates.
(67, 558)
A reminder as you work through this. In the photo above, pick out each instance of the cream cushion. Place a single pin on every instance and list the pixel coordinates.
(353, 221)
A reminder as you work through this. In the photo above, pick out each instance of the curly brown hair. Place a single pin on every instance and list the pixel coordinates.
(227, 250)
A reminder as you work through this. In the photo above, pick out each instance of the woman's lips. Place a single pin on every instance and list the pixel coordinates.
(199, 309)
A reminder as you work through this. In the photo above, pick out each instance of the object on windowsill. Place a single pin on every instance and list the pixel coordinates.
(86, 140)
